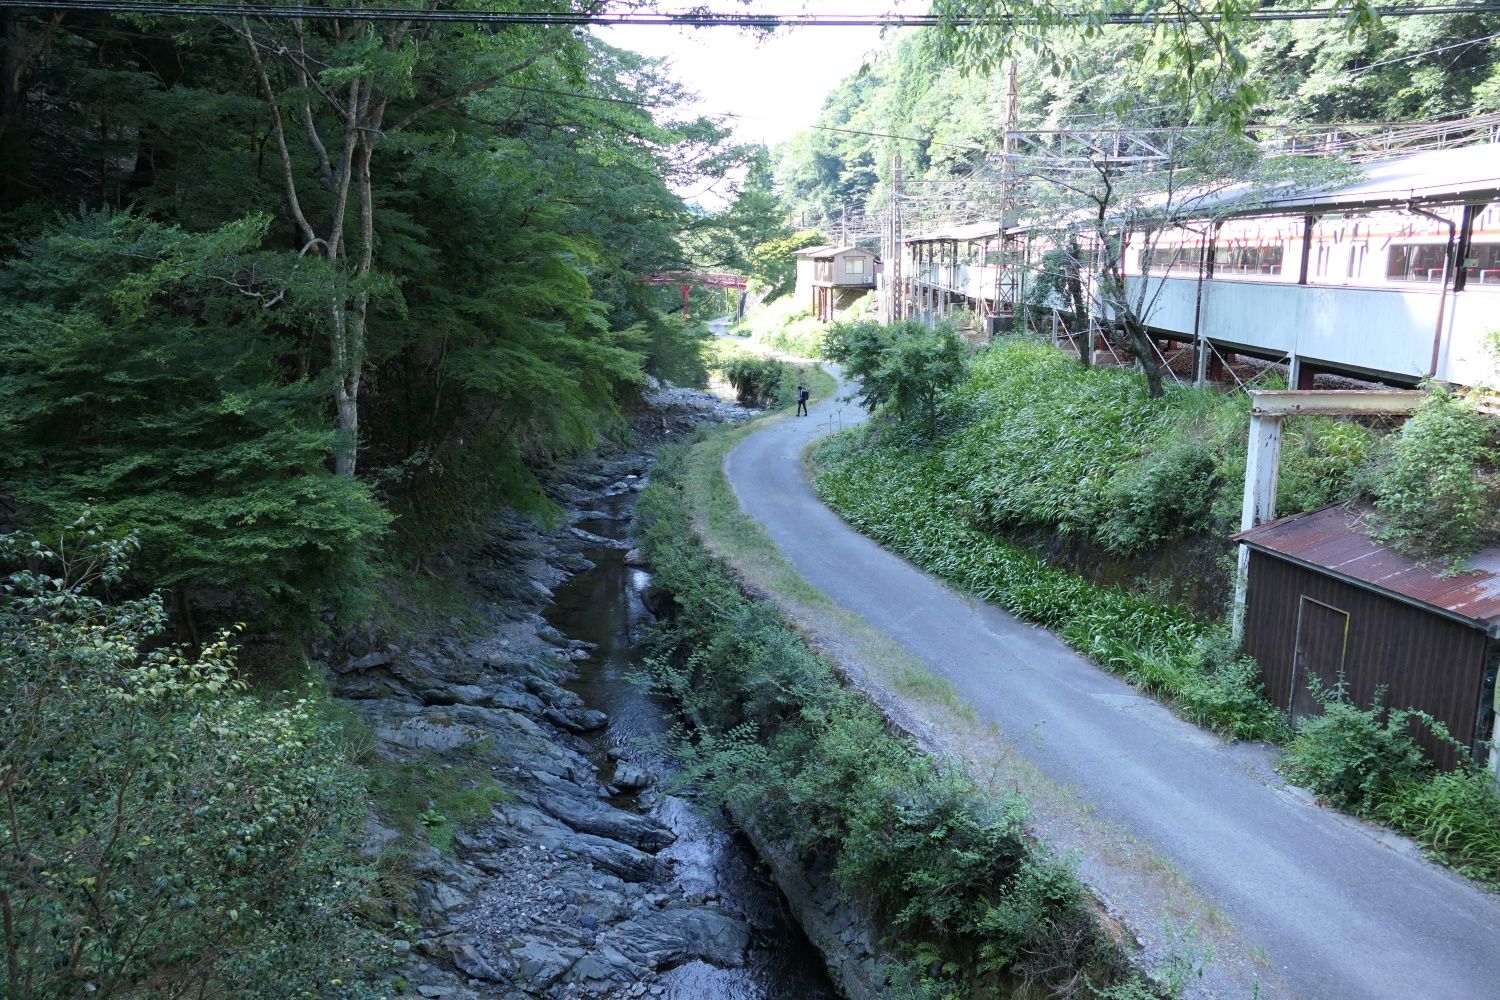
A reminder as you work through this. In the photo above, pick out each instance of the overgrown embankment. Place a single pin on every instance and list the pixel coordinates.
(967, 904)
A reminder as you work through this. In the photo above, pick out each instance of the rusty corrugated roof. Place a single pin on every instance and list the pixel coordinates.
(1336, 539)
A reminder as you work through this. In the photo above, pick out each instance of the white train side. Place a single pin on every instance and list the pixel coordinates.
(1395, 277)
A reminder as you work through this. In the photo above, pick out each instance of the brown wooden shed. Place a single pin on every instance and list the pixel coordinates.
(1324, 599)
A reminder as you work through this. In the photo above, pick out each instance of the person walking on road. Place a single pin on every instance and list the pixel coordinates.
(801, 400)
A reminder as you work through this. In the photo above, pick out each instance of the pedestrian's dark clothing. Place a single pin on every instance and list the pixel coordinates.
(802, 402)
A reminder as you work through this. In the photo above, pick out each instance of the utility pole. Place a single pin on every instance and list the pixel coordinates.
(893, 268)
(1005, 279)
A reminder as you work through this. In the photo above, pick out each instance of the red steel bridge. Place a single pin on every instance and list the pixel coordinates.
(688, 280)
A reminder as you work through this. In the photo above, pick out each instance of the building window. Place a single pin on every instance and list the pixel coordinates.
(854, 265)
(1415, 262)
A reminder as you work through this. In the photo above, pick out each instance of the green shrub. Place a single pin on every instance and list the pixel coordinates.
(1366, 761)
(1355, 758)
(165, 833)
(1456, 815)
(759, 381)
(1435, 493)
(1166, 495)
(905, 366)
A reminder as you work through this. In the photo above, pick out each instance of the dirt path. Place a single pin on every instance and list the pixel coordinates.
(1195, 844)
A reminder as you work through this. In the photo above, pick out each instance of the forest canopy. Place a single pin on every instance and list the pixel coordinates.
(278, 292)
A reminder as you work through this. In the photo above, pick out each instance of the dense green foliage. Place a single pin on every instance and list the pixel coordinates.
(1040, 441)
(759, 380)
(942, 113)
(1365, 760)
(1437, 491)
(238, 253)
(907, 366)
(773, 264)
(971, 905)
(205, 844)
(128, 380)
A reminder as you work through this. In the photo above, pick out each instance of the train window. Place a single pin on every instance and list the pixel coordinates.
(1162, 259)
(1483, 264)
(1239, 260)
(1415, 262)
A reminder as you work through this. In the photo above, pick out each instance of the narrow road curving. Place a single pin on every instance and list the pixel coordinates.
(1327, 906)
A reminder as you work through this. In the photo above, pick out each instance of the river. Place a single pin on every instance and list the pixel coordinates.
(603, 606)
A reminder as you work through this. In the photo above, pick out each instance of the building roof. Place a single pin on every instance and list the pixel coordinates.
(962, 234)
(829, 251)
(1335, 540)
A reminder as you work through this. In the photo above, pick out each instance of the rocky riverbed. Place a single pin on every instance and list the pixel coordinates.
(578, 878)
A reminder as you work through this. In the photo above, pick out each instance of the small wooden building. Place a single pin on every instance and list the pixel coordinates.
(1325, 600)
(823, 272)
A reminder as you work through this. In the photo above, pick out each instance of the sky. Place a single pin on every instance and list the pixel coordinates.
(777, 84)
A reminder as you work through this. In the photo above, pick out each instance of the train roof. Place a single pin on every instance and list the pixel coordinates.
(1434, 177)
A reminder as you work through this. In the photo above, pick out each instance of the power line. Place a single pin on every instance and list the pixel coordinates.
(651, 105)
(1354, 71)
(689, 20)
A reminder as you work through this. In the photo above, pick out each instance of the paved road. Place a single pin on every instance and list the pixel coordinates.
(1339, 909)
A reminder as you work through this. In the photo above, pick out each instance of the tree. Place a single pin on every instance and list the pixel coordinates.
(1105, 209)
(163, 832)
(905, 366)
(340, 78)
(1193, 54)
(1437, 488)
(139, 373)
(773, 264)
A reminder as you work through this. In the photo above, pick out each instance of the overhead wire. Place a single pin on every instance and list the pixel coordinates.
(694, 19)
(1356, 70)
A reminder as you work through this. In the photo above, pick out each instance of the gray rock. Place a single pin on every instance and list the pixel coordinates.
(631, 777)
(369, 661)
(426, 734)
(576, 720)
(659, 938)
(541, 964)
(470, 962)
(635, 557)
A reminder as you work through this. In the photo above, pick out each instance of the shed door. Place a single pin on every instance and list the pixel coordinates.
(1322, 637)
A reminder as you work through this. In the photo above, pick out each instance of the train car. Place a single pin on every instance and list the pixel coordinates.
(1394, 278)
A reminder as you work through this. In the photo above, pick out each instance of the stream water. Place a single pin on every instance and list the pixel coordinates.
(603, 606)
